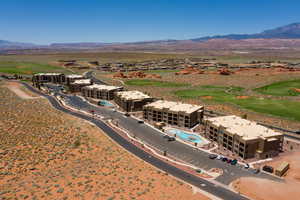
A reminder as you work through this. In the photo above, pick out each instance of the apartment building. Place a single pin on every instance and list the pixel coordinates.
(174, 113)
(40, 78)
(97, 91)
(78, 84)
(244, 138)
(131, 101)
(73, 77)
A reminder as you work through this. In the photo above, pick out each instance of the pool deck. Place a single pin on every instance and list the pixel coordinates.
(106, 103)
(204, 141)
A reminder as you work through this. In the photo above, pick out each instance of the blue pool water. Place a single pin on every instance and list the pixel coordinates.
(105, 103)
(186, 136)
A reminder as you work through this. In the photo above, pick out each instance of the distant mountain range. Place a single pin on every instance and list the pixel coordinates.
(291, 31)
(282, 37)
(8, 44)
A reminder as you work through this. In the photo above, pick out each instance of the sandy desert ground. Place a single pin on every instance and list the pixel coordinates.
(45, 154)
(261, 189)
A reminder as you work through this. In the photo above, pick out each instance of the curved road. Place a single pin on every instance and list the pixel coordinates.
(203, 184)
(89, 75)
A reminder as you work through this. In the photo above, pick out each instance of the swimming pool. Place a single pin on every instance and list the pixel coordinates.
(105, 103)
(187, 136)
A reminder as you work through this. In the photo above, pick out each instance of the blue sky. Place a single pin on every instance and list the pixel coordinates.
(50, 21)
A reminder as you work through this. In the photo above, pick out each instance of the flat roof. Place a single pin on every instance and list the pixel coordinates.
(48, 74)
(103, 87)
(283, 166)
(132, 95)
(82, 81)
(174, 106)
(246, 129)
(74, 76)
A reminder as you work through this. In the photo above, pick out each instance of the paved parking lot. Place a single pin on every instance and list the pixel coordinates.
(176, 149)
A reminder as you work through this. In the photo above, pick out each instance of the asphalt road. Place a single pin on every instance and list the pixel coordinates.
(89, 75)
(205, 185)
(177, 149)
(155, 138)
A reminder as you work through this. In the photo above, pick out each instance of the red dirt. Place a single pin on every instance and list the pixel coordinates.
(40, 158)
(242, 97)
(189, 70)
(262, 189)
(137, 74)
(207, 97)
(119, 75)
(225, 71)
(296, 89)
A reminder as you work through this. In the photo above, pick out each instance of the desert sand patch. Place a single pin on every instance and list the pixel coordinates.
(46, 154)
(263, 189)
(16, 88)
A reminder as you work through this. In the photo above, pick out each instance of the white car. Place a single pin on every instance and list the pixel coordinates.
(220, 157)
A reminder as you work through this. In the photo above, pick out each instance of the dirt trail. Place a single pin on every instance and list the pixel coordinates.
(16, 88)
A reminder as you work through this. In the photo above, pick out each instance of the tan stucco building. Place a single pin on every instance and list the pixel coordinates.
(73, 77)
(96, 91)
(78, 84)
(132, 101)
(40, 78)
(244, 138)
(173, 113)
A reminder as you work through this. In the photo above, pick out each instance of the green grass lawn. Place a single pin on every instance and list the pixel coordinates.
(283, 88)
(29, 68)
(282, 108)
(146, 82)
(219, 93)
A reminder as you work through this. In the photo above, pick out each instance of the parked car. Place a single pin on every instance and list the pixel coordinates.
(229, 161)
(247, 166)
(170, 139)
(234, 162)
(298, 132)
(224, 159)
(268, 169)
(220, 157)
(166, 136)
(127, 114)
(140, 121)
(213, 156)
